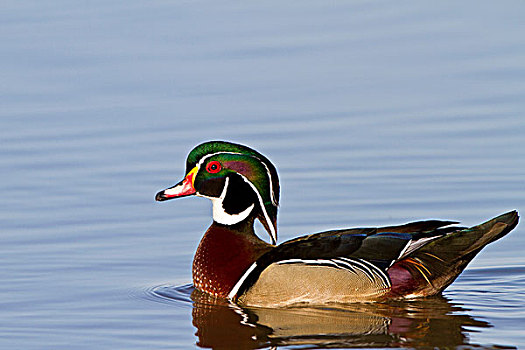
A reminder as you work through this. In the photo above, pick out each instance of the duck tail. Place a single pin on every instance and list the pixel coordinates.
(433, 267)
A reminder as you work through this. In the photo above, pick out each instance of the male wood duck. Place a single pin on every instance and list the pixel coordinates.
(340, 266)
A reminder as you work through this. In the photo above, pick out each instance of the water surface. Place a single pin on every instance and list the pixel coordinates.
(374, 113)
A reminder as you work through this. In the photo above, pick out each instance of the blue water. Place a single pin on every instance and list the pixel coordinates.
(375, 113)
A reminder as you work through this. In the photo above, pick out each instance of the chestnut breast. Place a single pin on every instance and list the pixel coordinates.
(223, 255)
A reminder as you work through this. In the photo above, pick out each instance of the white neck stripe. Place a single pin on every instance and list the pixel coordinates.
(273, 234)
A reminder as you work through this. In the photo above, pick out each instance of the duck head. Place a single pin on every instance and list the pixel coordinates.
(240, 182)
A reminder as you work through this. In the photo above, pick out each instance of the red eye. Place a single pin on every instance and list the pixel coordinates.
(213, 167)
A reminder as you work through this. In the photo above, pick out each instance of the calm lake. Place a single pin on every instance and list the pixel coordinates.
(374, 113)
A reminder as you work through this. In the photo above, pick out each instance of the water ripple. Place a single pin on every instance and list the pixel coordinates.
(170, 294)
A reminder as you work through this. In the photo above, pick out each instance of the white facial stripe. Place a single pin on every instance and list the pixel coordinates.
(221, 216)
(211, 155)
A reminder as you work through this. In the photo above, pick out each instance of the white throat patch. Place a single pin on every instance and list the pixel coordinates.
(221, 216)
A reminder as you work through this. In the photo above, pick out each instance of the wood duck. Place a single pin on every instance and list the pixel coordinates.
(340, 266)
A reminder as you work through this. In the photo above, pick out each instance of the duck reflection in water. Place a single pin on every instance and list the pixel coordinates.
(432, 322)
